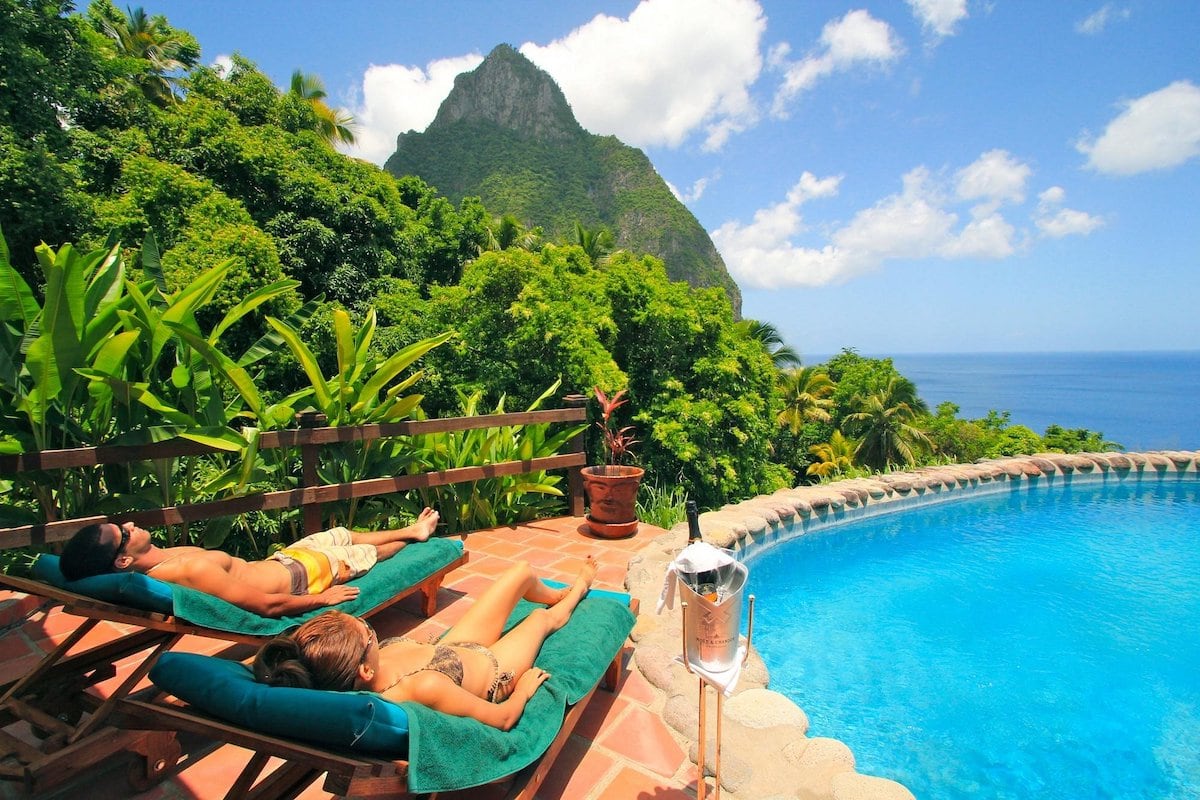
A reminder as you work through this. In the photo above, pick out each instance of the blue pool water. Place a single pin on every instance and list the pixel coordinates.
(1038, 644)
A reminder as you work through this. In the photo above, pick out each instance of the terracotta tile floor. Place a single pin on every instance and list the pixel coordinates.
(621, 750)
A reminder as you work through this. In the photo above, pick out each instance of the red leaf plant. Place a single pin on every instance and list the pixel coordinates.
(617, 441)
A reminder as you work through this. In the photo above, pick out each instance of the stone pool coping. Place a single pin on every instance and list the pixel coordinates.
(766, 753)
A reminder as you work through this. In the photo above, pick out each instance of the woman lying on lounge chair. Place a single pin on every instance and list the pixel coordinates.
(476, 670)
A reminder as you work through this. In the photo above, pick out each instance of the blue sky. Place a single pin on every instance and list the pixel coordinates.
(897, 177)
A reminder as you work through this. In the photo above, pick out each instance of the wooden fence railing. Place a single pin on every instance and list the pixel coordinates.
(309, 438)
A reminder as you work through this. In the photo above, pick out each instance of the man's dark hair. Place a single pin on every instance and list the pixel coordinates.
(86, 554)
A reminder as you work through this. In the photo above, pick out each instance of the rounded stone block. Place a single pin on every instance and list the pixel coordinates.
(657, 665)
(763, 708)
(1119, 462)
(735, 773)
(818, 750)
(853, 786)
(1158, 461)
(1045, 465)
(680, 713)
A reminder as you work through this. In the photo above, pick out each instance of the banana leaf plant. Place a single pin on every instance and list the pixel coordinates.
(367, 388)
(106, 360)
(503, 500)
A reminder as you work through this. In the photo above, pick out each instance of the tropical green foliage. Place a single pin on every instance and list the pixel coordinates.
(869, 398)
(806, 397)
(365, 388)
(275, 273)
(489, 502)
(782, 355)
(153, 50)
(597, 242)
(332, 125)
(885, 425)
(106, 360)
(661, 505)
(835, 458)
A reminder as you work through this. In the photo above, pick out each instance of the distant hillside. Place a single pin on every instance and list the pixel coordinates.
(507, 134)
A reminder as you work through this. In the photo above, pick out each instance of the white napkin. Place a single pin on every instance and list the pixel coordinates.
(696, 557)
(725, 681)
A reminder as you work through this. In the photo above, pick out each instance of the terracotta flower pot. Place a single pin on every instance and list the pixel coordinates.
(612, 495)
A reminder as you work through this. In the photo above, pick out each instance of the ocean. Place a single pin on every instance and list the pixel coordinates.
(1142, 400)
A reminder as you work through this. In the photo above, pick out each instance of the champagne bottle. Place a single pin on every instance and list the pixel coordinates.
(693, 520)
(705, 580)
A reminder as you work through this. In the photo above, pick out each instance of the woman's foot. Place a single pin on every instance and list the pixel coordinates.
(424, 527)
(549, 595)
(587, 573)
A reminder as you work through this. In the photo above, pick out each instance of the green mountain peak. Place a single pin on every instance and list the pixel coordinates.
(506, 134)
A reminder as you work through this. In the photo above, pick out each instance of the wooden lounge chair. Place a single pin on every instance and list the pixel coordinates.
(368, 746)
(54, 697)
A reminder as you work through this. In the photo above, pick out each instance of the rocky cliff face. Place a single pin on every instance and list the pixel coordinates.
(508, 91)
(506, 134)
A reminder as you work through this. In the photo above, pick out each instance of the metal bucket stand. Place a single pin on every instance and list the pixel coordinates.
(702, 751)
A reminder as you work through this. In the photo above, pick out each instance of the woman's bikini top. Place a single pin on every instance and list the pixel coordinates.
(445, 661)
(448, 663)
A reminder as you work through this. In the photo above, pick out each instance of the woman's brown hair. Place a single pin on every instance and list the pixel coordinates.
(323, 653)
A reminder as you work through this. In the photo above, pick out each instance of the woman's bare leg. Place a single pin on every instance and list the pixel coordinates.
(484, 621)
(517, 649)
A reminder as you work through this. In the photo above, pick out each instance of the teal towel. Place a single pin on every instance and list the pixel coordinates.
(411, 565)
(446, 753)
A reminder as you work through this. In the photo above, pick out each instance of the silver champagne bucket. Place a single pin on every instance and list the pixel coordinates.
(712, 618)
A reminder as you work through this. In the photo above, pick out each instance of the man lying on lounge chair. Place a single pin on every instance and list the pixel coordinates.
(306, 575)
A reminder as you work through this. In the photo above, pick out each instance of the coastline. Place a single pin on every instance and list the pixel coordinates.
(767, 753)
(1142, 400)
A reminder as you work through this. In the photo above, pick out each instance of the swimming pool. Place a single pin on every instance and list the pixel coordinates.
(1031, 643)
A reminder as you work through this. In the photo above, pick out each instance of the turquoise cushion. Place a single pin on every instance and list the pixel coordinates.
(123, 588)
(576, 657)
(361, 721)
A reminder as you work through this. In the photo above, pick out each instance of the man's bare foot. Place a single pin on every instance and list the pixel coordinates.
(425, 525)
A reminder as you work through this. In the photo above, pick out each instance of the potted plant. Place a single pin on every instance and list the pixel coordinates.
(613, 486)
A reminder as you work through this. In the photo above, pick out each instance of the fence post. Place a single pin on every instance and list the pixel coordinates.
(309, 453)
(577, 444)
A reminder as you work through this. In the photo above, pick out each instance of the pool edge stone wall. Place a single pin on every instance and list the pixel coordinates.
(766, 751)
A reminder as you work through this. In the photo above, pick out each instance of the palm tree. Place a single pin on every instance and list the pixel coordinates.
(806, 397)
(884, 424)
(153, 40)
(333, 125)
(833, 457)
(507, 231)
(596, 242)
(769, 337)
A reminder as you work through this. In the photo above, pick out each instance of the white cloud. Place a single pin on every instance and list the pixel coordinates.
(1096, 22)
(672, 68)
(223, 64)
(939, 16)
(1156, 131)
(1056, 222)
(988, 236)
(855, 39)
(395, 99)
(922, 221)
(762, 254)
(691, 195)
(995, 177)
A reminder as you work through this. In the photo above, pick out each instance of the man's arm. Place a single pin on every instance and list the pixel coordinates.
(203, 576)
